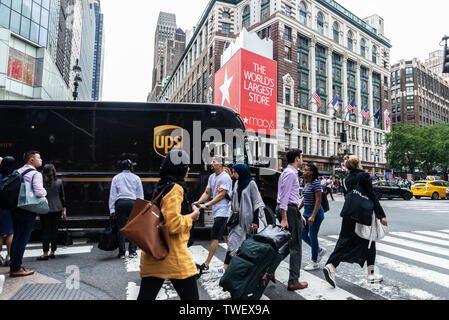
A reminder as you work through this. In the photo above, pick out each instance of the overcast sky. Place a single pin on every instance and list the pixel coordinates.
(414, 28)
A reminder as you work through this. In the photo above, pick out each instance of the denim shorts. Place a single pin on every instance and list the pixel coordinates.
(219, 228)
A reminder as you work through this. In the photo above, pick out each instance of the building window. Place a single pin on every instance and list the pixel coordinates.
(226, 15)
(409, 71)
(265, 10)
(287, 117)
(320, 23)
(374, 54)
(288, 99)
(226, 28)
(336, 30)
(288, 139)
(362, 47)
(350, 41)
(288, 11)
(246, 18)
(288, 53)
(288, 34)
(302, 13)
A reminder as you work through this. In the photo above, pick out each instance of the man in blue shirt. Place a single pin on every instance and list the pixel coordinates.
(125, 189)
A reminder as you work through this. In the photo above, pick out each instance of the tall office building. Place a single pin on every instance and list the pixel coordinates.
(435, 63)
(97, 82)
(165, 30)
(28, 50)
(317, 44)
(87, 49)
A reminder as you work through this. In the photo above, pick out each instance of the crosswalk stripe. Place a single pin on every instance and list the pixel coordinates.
(34, 253)
(416, 245)
(318, 289)
(434, 234)
(385, 288)
(421, 238)
(412, 255)
(445, 231)
(209, 281)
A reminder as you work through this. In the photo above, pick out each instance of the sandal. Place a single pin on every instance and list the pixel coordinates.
(43, 258)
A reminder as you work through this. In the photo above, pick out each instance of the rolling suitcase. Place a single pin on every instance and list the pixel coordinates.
(245, 278)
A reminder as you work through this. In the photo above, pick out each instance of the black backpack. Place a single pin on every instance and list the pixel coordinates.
(10, 188)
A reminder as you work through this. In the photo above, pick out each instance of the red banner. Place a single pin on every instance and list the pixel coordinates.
(247, 83)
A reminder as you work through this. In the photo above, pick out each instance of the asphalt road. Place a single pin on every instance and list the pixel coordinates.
(413, 260)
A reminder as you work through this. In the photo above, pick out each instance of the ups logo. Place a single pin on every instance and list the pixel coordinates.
(164, 141)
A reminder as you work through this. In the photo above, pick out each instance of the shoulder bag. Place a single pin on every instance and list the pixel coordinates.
(146, 228)
(373, 233)
(358, 206)
(28, 200)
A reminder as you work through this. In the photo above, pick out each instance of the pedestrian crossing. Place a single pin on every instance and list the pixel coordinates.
(415, 266)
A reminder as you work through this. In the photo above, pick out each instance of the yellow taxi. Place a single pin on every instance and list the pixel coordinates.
(434, 189)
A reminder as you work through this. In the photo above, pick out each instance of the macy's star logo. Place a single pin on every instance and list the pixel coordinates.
(225, 88)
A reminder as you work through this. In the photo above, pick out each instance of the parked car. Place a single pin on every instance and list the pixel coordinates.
(430, 189)
(390, 190)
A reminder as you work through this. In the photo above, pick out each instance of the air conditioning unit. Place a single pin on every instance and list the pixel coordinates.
(288, 126)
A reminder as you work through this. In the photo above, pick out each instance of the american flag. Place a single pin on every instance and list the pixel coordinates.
(366, 114)
(389, 119)
(351, 106)
(317, 98)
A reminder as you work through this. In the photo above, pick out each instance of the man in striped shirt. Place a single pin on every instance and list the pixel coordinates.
(288, 213)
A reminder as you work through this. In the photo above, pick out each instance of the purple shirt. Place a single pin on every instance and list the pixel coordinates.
(288, 188)
(38, 182)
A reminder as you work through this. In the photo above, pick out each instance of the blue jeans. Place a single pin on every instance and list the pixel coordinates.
(310, 234)
(23, 222)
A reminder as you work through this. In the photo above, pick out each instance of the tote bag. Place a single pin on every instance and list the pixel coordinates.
(28, 200)
(376, 232)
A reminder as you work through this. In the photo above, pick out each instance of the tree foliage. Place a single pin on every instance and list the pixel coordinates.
(427, 149)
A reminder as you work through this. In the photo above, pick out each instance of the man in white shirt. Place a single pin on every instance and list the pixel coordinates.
(125, 189)
(220, 204)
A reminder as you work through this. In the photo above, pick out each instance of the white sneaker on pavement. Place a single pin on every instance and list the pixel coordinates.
(312, 266)
(374, 275)
(2, 282)
(329, 274)
(321, 254)
(218, 271)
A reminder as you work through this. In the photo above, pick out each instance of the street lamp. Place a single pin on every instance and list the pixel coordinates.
(344, 136)
(77, 69)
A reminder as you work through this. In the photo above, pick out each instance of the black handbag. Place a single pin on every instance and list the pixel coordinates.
(233, 221)
(275, 236)
(358, 206)
(325, 202)
(109, 237)
(65, 237)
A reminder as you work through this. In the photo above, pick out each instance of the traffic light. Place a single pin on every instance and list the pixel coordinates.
(344, 137)
(446, 59)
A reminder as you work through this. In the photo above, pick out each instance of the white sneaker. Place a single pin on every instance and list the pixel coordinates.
(329, 274)
(321, 255)
(374, 275)
(218, 271)
(2, 282)
(2, 261)
(312, 266)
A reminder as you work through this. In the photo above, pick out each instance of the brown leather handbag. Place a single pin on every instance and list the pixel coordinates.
(146, 228)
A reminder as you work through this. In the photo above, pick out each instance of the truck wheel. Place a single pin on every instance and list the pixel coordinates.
(270, 216)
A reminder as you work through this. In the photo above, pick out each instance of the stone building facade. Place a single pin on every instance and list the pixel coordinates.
(317, 44)
(418, 95)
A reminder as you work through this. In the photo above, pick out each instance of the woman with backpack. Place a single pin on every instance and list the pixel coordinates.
(6, 226)
(313, 215)
(50, 221)
(350, 247)
(178, 266)
(248, 205)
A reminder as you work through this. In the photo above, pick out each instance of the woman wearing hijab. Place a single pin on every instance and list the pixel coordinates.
(248, 204)
(178, 266)
(6, 226)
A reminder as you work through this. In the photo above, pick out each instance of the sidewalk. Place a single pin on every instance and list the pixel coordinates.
(41, 286)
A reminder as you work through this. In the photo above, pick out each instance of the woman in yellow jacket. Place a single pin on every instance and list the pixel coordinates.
(178, 266)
